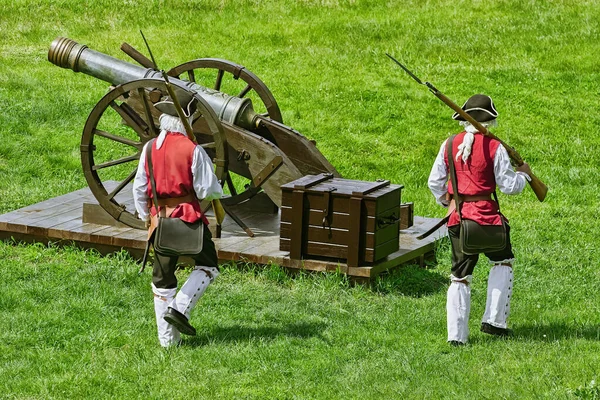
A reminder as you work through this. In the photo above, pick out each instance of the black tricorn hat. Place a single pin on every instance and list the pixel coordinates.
(186, 100)
(480, 107)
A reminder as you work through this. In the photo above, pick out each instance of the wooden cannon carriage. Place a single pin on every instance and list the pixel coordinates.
(252, 151)
(257, 158)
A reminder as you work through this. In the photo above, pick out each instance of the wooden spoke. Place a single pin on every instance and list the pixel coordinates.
(122, 185)
(149, 119)
(116, 162)
(236, 72)
(133, 103)
(209, 145)
(191, 76)
(219, 79)
(132, 118)
(245, 91)
(230, 185)
(120, 139)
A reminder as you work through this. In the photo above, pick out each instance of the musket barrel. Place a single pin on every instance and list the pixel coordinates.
(67, 53)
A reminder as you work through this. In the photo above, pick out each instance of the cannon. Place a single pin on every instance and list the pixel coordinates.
(238, 123)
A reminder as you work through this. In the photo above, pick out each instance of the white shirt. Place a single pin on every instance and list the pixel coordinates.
(206, 184)
(508, 180)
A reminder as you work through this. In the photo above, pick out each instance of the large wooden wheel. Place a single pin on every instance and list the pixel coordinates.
(234, 80)
(115, 133)
(199, 71)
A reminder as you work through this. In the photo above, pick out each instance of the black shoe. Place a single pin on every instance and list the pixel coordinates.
(456, 343)
(179, 321)
(494, 330)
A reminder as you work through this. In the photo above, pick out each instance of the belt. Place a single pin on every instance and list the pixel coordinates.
(175, 201)
(482, 197)
(444, 220)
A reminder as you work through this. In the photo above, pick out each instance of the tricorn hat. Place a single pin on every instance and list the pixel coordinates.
(186, 100)
(480, 107)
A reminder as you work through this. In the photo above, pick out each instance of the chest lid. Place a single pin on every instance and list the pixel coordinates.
(341, 187)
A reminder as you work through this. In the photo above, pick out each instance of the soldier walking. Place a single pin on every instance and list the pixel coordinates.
(183, 174)
(481, 163)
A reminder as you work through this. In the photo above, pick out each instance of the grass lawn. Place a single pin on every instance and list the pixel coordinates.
(76, 325)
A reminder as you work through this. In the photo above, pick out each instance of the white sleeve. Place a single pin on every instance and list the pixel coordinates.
(508, 180)
(206, 184)
(438, 178)
(140, 188)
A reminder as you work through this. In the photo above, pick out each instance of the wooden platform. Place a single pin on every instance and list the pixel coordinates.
(61, 220)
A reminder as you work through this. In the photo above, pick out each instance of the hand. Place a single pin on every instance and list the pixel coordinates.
(147, 223)
(525, 168)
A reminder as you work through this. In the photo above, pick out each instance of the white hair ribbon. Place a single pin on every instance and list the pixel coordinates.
(169, 123)
(464, 149)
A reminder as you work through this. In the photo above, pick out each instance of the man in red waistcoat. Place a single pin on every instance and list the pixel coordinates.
(481, 164)
(183, 173)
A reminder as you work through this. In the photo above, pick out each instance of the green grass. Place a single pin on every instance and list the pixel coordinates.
(77, 325)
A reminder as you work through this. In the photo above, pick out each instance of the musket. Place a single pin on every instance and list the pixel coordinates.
(538, 187)
(216, 204)
(145, 258)
(218, 208)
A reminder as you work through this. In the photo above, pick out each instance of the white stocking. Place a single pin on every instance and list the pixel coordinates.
(193, 289)
(168, 335)
(497, 306)
(458, 307)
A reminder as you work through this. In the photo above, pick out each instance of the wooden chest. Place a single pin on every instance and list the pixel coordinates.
(340, 218)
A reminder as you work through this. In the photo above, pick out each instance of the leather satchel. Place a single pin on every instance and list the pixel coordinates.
(475, 238)
(173, 236)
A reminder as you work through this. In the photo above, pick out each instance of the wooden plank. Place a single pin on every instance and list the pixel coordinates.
(107, 235)
(340, 220)
(59, 219)
(341, 204)
(297, 226)
(386, 248)
(342, 187)
(132, 238)
(41, 227)
(83, 232)
(234, 248)
(335, 236)
(406, 215)
(95, 214)
(262, 152)
(60, 231)
(303, 152)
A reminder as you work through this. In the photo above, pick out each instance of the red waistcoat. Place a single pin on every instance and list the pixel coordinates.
(173, 175)
(476, 177)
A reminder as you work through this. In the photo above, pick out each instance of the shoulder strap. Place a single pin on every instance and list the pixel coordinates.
(456, 195)
(150, 169)
(450, 154)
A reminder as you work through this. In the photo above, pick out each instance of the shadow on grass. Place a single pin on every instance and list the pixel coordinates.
(412, 281)
(544, 333)
(556, 331)
(236, 333)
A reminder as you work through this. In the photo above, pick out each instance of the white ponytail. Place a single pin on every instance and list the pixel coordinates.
(169, 123)
(464, 149)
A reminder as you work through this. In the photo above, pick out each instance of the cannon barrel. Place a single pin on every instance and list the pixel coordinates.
(67, 53)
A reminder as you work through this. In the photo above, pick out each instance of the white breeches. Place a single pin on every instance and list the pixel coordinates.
(193, 289)
(458, 307)
(168, 335)
(499, 290)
